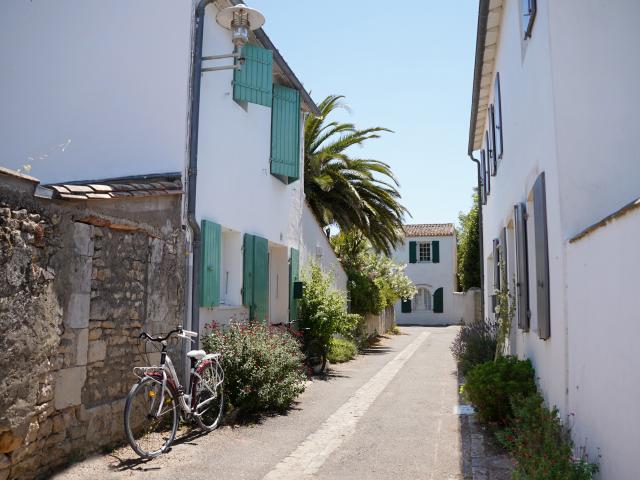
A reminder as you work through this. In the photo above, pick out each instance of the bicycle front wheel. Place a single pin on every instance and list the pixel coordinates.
(209, 396)
(150, 417)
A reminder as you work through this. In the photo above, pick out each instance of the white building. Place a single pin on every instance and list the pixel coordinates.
(429, 251)
(554, 126)
(95, 90)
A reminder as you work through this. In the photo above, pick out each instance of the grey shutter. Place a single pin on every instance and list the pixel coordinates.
(542, 257)
(492, 136)
(529, 9)
(522, 266)
(489, 161)
(483, 178)
(497, 101)
(505, 259)
(496, 265)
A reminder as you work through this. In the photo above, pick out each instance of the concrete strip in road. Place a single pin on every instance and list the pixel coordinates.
(312, 453)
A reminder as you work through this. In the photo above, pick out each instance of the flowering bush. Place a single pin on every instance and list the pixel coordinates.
(540, 444)
(474, 344)
(263, 367)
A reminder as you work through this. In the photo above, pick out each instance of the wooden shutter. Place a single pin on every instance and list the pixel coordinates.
(496, 265)
(438, 301)
(210, 264)
(522, 266)
(492, 136)
(405, 307)
(294, 276)
(435, 251)
(497, 101)
(529, 9)
(483, 178)
(504, 274)
(253, 83)
(542, 257)
(412, 252)
(489, 161)
(285, 134)
(261, 278)
(247, 277)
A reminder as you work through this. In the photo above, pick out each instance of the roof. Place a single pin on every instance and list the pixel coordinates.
(489, 16)
(122, 187)
(429, 230)
(283, 68)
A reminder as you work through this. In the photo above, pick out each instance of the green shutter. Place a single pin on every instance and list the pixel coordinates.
(294, 276)
(261, 278)
(254, 81)
(438, 301)
(210, 264)
(435, 251)
(412, 252)
(406, 306)
(247, 276)
(285, 134)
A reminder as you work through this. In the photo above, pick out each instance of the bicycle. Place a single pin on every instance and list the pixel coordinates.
(151, 409)
(315, 352)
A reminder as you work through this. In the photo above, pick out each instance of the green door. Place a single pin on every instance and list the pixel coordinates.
(255, 284)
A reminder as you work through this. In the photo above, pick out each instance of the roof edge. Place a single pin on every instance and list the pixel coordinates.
(483, 16)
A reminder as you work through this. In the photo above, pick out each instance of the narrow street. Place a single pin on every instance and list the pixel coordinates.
(388, 414)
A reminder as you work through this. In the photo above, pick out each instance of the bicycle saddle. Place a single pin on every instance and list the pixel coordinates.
(197, 354)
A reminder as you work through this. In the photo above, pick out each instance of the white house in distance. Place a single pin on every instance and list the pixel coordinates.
(554, 126)
(429, 251)
(127, 93)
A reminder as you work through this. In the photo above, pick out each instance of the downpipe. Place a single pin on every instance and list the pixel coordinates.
(481, 236)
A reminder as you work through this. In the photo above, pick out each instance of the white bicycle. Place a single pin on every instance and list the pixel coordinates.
(151, 410)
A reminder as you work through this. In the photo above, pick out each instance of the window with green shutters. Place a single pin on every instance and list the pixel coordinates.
(210, 264)
(285, 134)
(405, 306)
(438, 301)
(294, 276)
(253, 83)
(435, 251)
(255, 284)
(412, 252)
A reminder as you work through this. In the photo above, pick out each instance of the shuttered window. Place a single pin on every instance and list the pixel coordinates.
(412, 252)
(497, 109)
(255, 284)
(492, 139)
(542, 258)
(504, 272)
(253, 82)
(489, 161)
(210, 264)
(294, 276)
(483, 178)
(438, 301)
(522, 266)
(285, 134)
(529, 8)
(496, 264)
(435, 251)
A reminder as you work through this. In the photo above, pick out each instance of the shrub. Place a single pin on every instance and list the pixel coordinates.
(323, 309)
(541, 445)
(341, 350)
(491, 386)
(263, 367)
(474, 344)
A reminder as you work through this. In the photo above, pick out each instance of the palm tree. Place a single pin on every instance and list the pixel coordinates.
(351, 193)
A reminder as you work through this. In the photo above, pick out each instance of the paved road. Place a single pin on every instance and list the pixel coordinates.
(389, 414)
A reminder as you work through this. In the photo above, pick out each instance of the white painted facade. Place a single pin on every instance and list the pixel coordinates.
(569, 109)
(428, 277)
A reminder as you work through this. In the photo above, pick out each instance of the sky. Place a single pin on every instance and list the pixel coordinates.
(407, 69)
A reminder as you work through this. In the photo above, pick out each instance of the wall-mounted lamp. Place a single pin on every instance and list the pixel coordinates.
(240, 19)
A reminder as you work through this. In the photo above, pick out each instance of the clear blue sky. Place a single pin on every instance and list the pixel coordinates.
(409, 70)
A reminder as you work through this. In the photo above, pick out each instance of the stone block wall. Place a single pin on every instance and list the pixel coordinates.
(76, 288)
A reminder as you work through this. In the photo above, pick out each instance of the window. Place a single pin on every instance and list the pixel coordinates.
(422, 299)
(528, 13)
(492, 139)
(424, 251)
(497, 102)
(489, 160)
(483, 178)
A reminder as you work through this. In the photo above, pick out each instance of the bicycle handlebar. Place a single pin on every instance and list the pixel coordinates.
(179, 330)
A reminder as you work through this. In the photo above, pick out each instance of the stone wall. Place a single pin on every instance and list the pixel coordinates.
(77, 284)
(381, 323)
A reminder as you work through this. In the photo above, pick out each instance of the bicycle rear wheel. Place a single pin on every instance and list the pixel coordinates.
(316, 357)
(209, 396)
(150, 417)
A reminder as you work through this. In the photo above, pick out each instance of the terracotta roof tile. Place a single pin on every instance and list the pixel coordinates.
(429, 230)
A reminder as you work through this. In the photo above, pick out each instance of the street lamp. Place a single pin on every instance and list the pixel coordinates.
(240, 19)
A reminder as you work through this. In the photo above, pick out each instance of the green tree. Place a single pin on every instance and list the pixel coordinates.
(352, 193)
(469, 247)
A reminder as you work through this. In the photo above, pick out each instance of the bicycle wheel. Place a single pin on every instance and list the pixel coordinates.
(149, 425)
(209, 396)
(316, 357)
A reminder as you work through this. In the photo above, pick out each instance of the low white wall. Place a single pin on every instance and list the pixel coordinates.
(466, 306)
(604, 333)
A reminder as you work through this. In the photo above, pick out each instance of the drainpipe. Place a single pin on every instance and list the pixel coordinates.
(481, 238)
(192, 172)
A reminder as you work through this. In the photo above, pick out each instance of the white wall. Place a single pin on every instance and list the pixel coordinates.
(278, 284)
(231, 262)
(569, 99)
(94, 89)
(433, 276)
(315, 247)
